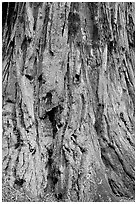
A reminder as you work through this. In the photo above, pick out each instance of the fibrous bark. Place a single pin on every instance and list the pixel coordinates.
(69, 101)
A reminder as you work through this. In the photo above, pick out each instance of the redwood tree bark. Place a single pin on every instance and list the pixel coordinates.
(68, 101)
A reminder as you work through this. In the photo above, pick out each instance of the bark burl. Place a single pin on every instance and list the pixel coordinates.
(68, 104)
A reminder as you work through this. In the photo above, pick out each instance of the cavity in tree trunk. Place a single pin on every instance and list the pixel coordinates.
(68, 101)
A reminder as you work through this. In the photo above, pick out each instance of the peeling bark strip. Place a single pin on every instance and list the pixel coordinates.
(68, 101)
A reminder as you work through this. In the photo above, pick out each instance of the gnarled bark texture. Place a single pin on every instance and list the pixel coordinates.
(68, 101)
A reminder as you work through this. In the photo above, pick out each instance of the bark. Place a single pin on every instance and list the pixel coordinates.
(68, 101)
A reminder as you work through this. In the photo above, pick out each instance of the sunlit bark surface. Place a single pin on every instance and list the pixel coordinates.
(68, 101)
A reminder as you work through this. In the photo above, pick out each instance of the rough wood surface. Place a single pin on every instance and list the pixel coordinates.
(68, 101)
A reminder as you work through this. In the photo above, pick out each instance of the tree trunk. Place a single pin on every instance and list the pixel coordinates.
(68, 101)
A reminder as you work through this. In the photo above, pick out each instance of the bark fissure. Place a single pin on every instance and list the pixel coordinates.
(68, 101)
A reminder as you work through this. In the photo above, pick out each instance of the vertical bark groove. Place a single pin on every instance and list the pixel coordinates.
(68, 93)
